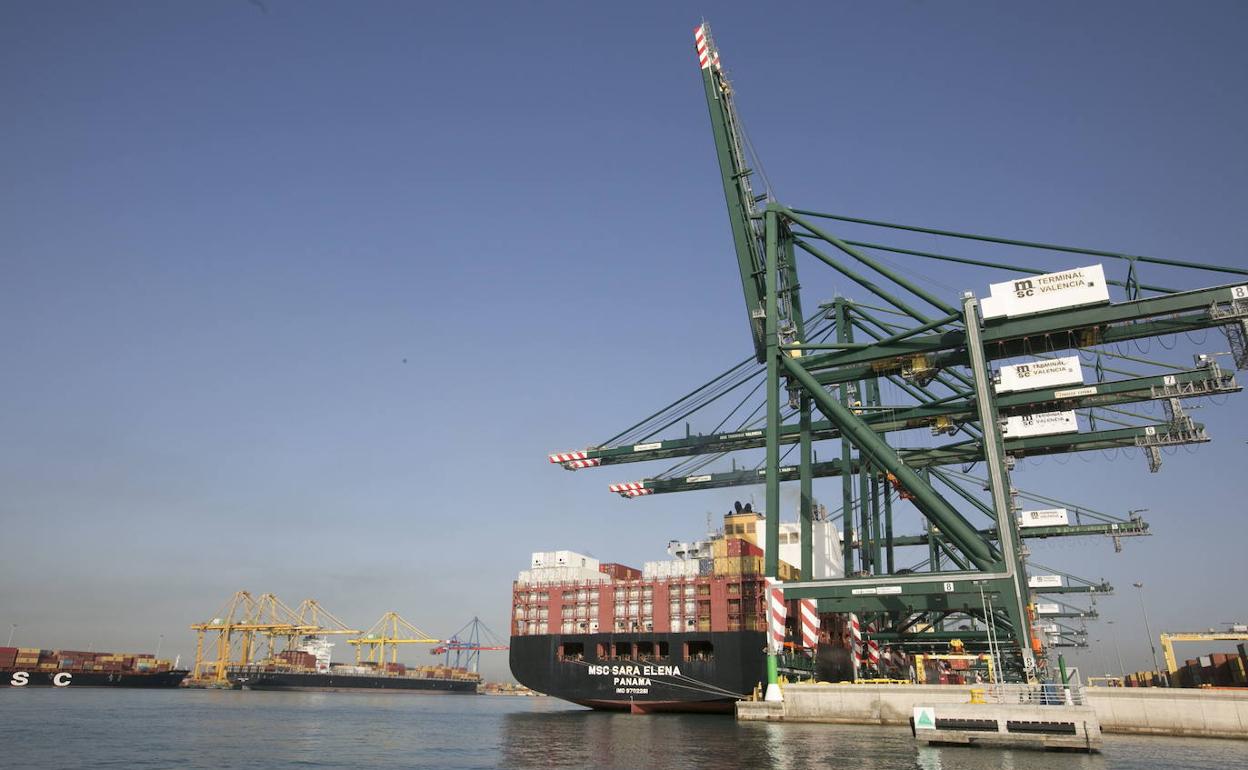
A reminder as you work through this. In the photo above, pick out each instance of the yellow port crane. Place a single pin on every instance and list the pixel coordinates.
(1237, 633)
(390, 631)
(235, 626)
(311, 613)
(310, 619)
(247, 630)
(274, 620)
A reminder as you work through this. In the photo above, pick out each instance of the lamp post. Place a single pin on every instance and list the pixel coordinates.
(12, 629)
(1152, 644)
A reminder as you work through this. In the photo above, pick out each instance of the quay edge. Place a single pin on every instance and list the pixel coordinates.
(1203, 713)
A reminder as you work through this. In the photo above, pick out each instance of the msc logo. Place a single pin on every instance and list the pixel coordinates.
(1023, 288)
(22, 678)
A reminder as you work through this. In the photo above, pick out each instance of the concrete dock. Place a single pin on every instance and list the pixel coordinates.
(1127, 710)
(1013, 725)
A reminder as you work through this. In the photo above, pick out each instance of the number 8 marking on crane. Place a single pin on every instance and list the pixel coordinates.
(1239, 292)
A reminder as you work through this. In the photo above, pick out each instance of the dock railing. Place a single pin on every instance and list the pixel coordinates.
(1049, 694)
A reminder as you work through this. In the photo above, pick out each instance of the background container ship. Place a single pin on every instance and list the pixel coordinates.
(33, 667)
(682, 635)
(309, 668)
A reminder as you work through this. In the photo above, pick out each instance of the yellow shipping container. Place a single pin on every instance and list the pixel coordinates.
(719, 548)
(739, 565)
(789, 572)
(742, 525)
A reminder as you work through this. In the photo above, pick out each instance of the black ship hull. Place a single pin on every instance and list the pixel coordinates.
(36, 678)
(705, 671)
(296, 680)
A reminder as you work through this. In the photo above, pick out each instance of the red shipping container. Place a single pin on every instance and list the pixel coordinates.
(740, 547)
(620, 571)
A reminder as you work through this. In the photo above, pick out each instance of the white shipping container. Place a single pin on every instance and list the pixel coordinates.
(1042, 293)
(673, 568)
(1045, 581)
(1047, 517)
(1041, 373)
(1048, 609)
(1040, 424)
(574, 559)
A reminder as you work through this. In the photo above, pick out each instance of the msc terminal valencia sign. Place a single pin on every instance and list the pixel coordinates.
(1042, 293)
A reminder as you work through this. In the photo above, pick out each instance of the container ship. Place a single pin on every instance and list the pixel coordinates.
(309, 667)
(686, 634)
(33, 667)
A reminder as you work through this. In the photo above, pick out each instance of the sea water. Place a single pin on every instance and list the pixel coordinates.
(102, 728)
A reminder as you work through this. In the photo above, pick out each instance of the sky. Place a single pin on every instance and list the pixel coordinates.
(296, 297)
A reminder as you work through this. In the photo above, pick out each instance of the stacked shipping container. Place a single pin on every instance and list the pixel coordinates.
(570, 593)
(721, 593)
(35, 659)
(1217, 669)
(661, 604)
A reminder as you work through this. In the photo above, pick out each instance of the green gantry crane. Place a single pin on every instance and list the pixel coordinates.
(822, 379)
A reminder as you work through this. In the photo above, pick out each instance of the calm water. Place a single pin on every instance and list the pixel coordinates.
(90, 728)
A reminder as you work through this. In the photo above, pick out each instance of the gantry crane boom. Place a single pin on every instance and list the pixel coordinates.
(390, 631)
(735, 176)
(1071, 328)
(1201, 381)
(948, 454)
(1116, 529)
(468, 643)
(453, 646)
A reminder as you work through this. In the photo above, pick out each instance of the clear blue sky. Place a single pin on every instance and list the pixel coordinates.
(296, 296)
